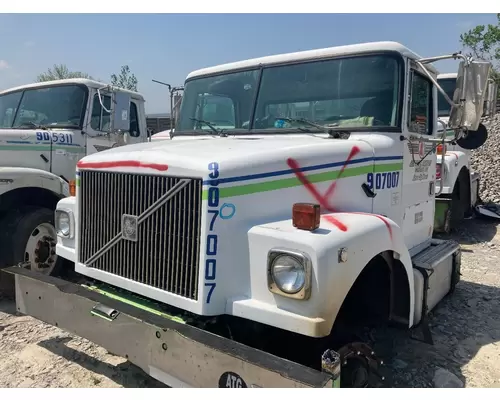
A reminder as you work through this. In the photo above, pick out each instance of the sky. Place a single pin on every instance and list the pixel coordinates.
(166, 47)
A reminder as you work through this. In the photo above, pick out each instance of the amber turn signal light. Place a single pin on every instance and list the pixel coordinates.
(306, 216)
(440, 149)
(72, 187)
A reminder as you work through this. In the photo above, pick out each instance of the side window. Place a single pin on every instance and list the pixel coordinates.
(134, 120)
(420, 115)
(100, 120)
(8, 108)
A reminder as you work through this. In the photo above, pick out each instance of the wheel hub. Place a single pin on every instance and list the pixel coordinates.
(41, 249)
(45, 251)
(360, 366)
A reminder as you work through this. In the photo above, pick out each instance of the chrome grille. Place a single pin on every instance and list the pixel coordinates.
(167, 250)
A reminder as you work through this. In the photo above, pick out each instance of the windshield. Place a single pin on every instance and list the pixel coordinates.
(448, 85)
(355, 92)
(48, 106)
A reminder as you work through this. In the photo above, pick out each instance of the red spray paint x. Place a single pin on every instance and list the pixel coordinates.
(323, 200)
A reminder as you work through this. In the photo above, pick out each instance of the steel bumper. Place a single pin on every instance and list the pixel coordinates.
(174, 353)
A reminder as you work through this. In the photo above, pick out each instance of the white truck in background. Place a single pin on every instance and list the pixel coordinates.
(457, 183)
(257, 250)
(45, 129)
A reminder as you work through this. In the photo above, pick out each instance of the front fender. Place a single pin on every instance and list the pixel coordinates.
(364, 237)
(454, 161)
(17, 177)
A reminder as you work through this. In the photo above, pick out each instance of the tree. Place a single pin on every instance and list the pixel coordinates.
(484, 43)
(125, 80)
(60, 71)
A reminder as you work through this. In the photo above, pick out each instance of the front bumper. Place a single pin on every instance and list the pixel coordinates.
(174, 353)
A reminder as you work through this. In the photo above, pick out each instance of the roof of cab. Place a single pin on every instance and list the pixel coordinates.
(80, 81)
(311, 55)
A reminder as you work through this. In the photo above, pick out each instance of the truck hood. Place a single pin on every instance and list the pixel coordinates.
(236, 156)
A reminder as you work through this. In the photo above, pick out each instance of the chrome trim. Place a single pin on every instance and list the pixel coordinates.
(71, 216)
(164, 251)
(304, 259)
(161, 201)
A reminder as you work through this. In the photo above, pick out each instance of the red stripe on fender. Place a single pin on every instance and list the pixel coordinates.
(124, 163)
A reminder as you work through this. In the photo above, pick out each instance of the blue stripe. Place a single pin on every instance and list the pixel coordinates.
(304, 169)
(41, 143)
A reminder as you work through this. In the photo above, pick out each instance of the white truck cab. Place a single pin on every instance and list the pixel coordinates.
(457, 184)
(299, 209)
(45, 129)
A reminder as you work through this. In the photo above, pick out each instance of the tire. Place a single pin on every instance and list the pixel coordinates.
(28, 228)
(460, 200)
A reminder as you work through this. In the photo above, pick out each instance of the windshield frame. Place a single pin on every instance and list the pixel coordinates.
(401, 66)
(47, 86)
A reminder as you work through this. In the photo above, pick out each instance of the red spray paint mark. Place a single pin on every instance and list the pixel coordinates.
(355, 150)
(380, 217)
(453, 154)
(323, 199)
(334, 221)
(112, 164)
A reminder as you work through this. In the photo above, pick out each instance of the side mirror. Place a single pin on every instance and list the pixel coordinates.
(474, 139)
(120, 112)
(471, 86)
(490, 105)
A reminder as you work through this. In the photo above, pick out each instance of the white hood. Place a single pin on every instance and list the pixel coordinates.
(190, 156)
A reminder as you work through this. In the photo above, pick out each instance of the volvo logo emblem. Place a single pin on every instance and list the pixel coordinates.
(129, 227)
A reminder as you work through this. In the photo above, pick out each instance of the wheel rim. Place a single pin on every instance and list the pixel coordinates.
(40, 249)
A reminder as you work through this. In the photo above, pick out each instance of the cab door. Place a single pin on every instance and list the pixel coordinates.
(99, 125)
(419, 161)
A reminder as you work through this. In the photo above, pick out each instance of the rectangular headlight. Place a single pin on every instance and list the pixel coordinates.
(289, 273)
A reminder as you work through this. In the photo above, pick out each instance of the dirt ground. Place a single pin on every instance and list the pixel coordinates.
(465, 328)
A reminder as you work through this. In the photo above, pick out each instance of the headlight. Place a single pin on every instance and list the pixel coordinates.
(63, 223)
(289, 273)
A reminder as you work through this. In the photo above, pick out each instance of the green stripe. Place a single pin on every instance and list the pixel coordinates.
(294, 181)
(23, 147)
(134, 301)
(77, 182)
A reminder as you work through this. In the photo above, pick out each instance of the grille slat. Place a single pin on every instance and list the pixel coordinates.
(167, 252)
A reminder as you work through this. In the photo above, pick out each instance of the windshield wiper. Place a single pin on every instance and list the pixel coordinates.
(210, 125)
(324, 128)
(32, 124)
(63, 125)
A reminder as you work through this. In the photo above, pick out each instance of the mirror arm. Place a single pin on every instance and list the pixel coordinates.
(423, 61)
(450, 101)
(442, 159)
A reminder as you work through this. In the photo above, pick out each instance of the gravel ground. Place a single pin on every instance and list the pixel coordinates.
(465, 328)
(486, 158)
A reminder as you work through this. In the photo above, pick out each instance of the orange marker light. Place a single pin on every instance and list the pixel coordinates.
(306, 216)
(72, 187)
(440, 149)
